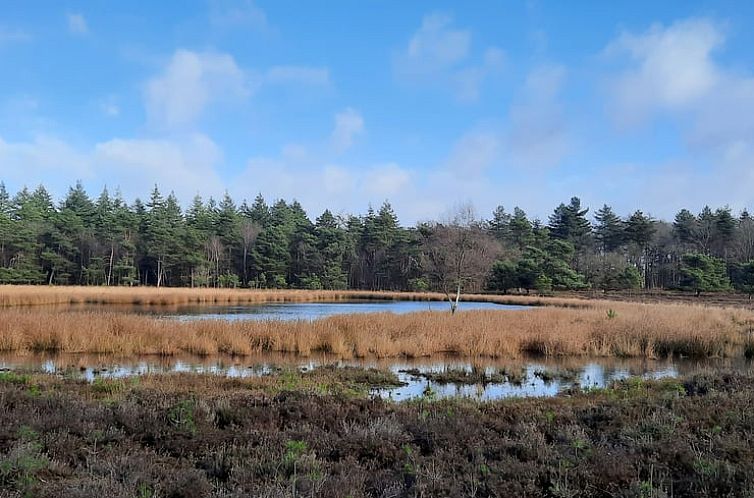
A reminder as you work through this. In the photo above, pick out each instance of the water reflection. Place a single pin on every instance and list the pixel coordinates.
(290, 311)
(533, 377)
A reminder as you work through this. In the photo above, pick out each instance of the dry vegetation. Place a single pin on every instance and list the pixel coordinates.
(602, 329)
(187, 436)
(20, 295)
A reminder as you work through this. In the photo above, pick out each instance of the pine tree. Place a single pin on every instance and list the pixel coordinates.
(521, 233)
(499, 225)
(685, 227)
(610, 231)
(568, 222)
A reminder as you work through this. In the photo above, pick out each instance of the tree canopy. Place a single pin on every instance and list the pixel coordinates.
(106, 240)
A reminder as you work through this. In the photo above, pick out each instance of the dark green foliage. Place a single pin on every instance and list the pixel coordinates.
(505, 276)
(568, 222)
(743, 277)
(702, 273)
(610, 230)
(106, 241)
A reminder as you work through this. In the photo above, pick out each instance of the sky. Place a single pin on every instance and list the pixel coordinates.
(342, 105)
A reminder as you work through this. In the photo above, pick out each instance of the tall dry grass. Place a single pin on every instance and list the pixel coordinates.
(26, 295)
(637, 330)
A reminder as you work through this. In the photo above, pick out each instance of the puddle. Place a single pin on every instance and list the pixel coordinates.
(512, 378)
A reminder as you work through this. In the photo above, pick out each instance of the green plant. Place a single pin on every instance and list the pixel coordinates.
(294, 449)
(181, 416)
(21, 466)
(429, 394)
(611, 313)
(145, 491)
(107, 386)
(14, 378)
(26, 433)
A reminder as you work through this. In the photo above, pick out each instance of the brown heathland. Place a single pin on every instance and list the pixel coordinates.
(287, 435)
(629, 330)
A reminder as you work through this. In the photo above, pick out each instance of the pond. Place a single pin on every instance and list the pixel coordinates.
(295, 311)
(438, 377)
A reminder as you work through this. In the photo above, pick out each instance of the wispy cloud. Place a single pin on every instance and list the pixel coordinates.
(189, 83)
(230, 14)
(306, 75)
(537, 134)
(13, 35)
(187, 164)
(77, 24)
(348, 125)
(109, 107)
(670, 68)
(672, 71)
(438, 52)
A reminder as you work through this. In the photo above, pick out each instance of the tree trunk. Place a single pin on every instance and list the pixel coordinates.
(110, 266)
(454, 301)
(245, 270)
(458, 297)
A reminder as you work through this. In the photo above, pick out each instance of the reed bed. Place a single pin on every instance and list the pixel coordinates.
(25, 295)
(629, 330)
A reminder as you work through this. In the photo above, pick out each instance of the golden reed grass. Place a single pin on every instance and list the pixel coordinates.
(633, 330)
(22, 295)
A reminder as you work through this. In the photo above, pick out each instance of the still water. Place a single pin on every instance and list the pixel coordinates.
(315, 311)
(533, 377)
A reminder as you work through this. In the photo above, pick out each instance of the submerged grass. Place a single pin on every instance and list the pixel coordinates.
(633, 330)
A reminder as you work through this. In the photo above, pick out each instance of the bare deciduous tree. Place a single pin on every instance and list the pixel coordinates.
(458, 254)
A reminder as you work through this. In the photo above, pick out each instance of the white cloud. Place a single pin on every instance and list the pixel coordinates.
(671, 68)
(109, 107)
(45, 159)
(537, 135)
(77, 24)
(189, 83)
(348, 124)
(386, 180)
(226, 14)
(338, 180)
(436, 44)
(316, 76)
(468, 80)
(439, 53)
(13, 35)
(474, 153)
(187, 165)
(321, 185)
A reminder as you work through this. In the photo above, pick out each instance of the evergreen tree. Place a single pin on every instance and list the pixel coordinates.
(569, 222)
(640, 230)
(499, 225)
(685, 227)
(521, 234)
(609, 232)
(702, 273)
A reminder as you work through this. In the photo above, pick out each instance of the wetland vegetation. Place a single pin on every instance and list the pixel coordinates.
(607, 329)
(321, 434)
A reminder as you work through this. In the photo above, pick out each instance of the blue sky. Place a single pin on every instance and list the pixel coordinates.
(341, 104)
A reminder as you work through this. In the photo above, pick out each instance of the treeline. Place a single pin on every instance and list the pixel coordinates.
(106, 241)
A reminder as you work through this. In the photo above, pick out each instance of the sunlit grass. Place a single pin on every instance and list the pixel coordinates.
(629, 330)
